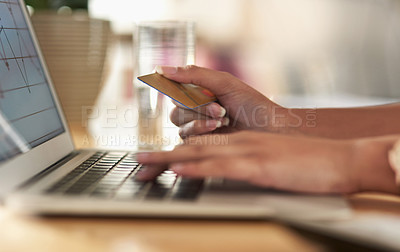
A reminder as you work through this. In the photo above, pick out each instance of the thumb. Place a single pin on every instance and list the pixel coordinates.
(217, 82)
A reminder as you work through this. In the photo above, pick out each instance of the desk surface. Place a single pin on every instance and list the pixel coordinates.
(30, 233)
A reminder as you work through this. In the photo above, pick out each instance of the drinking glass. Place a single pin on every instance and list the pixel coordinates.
(159, 43)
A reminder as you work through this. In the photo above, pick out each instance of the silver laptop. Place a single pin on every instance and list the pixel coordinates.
(42, 173)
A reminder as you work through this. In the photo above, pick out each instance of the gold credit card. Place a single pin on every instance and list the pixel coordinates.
(189, 95)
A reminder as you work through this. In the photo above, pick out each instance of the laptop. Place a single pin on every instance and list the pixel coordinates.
(42, 173)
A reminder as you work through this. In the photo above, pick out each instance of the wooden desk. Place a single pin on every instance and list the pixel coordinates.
(30, 233)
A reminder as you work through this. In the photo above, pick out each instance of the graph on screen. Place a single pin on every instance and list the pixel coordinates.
(27, 106)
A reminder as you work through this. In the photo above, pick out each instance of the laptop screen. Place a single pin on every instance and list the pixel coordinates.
(28, 112)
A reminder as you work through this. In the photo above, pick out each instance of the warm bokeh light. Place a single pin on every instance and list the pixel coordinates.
(124, 13)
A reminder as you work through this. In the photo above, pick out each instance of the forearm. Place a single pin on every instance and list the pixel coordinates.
(345, 123)
(371, 166)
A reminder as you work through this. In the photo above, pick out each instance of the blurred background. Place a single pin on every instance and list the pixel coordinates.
(279, 46)
(286, 46)
(300, 53)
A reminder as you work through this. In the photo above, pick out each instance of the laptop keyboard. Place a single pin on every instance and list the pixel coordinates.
(112, 175)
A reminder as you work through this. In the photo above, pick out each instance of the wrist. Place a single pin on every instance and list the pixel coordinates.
(371, 169)
(292, 121)
(394, 161)
(278, 120)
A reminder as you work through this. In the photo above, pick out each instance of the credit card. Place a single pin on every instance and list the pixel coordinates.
(189, 95)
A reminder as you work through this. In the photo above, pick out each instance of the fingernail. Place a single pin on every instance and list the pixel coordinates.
(143, 157)
(216, 110)
(177, 168)
(159, 70)
(213, 124)
(225, 121)
(141, 175)
(222, 112)
(166, 70)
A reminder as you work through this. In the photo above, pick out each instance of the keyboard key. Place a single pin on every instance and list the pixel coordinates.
(128, 195)
(102, 193)
(157, 191)
(185, 195)
(102, 166)
(125, 166)
(120, 172)
(187, 189)
(129, 162)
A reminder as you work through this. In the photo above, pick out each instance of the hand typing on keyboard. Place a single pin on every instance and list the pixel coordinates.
(113, 175)
(346, 149)
(278, 161)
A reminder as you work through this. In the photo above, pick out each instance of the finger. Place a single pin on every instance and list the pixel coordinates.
(179, 116)
(199, 127)
(213, 109)
(196, 148)
(150, 172)
(216, 82)
(238, 168)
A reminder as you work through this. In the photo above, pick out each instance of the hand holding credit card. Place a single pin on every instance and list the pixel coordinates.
(189, 95)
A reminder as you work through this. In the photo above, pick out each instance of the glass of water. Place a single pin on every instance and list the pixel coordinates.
(159, 43)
